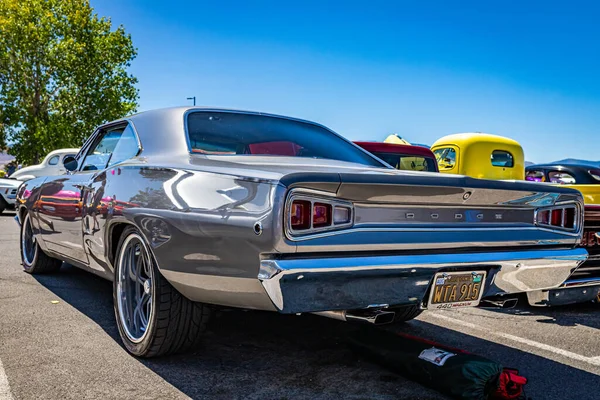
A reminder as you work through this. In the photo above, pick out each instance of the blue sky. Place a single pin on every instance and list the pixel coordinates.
(422, 69)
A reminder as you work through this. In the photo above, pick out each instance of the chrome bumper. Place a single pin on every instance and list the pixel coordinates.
(349, 283)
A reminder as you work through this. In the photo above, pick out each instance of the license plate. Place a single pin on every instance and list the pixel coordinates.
(456, 289)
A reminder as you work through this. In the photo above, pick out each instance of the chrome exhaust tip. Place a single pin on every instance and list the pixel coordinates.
(375, 317)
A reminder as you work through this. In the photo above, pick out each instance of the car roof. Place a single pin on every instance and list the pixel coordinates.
(461, 139)
(573, 167)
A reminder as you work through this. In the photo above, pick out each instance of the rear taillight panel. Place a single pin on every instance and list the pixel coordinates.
(563, 217)
(306, 214)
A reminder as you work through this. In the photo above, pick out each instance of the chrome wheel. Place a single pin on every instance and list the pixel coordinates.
(28, 244)
(134, 288)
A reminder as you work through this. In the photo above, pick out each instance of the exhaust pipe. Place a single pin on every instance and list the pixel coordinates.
(375, 317)
(499, 303)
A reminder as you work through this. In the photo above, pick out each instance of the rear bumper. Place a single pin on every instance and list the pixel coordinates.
(345, 283)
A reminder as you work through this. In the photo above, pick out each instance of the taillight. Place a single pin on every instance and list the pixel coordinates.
(321, 215)
(300, 215)
(307, 215)
(561, 217)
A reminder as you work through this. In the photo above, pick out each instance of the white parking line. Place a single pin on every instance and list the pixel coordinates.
(565, 353)
(4, 387)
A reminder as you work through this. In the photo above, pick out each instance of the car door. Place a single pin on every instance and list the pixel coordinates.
(62, 198)
(102, 197)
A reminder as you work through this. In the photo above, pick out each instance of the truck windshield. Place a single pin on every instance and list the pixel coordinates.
(224, 133)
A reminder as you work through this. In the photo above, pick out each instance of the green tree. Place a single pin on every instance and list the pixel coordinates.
(63, 71)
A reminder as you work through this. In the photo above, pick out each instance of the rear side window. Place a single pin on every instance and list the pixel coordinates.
(53, 160)
(222, 133)
(408, 162)
(446, 157)
(561, 177)
(502, 158)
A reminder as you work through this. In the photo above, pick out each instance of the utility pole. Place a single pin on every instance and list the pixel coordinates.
(192, 98)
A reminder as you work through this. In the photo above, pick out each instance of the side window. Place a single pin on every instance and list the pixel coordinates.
(535, 176)
(101, 152)
(53, 160)
(126, 148)
(446, 157)
(561, 177)
(501, 158)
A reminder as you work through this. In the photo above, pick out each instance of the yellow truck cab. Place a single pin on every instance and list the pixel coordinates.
(480, 155)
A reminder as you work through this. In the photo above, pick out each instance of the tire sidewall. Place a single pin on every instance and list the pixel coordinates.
(142, 347)
(26, 266)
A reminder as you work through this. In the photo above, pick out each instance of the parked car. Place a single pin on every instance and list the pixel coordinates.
(480, 155)
(584, 178)
(584, 284)
(53, 164)
(402, 156)
(257, 211)
(8, 193)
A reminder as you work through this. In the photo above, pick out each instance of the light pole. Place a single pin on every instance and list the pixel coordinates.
(192, 98)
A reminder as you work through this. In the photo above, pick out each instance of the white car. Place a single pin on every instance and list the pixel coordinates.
(52, 165)
(8, 193)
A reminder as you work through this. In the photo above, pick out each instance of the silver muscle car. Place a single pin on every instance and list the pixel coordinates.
(189, 208)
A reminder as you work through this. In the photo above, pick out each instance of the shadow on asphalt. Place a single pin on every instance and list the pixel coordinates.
(568, 315)
(265, 355)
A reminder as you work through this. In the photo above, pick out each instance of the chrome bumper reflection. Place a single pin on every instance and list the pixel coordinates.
(348, 283)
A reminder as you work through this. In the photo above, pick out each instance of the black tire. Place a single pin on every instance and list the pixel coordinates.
(3, 205)
(405, 313)
(33, 258)
(175, 324)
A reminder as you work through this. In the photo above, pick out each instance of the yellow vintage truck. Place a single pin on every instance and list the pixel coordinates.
(480, 155)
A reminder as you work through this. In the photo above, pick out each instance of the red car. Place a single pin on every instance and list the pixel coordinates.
(400, 156)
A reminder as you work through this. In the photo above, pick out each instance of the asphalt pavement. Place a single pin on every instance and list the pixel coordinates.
(58, 340)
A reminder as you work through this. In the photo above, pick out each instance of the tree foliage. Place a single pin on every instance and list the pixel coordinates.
(63, 71)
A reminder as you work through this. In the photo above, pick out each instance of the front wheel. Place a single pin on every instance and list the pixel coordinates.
(153, 318)
(34, 260)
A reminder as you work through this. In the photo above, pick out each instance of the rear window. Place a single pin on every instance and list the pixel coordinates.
(222, 133)
(408, 162)
(501, 158)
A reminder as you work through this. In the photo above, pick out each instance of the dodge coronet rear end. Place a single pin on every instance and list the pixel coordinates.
(386, 241)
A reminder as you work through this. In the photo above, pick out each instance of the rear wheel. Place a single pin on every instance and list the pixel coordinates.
(153, 318)
(405, 313)
(3, 205)
(34, 260)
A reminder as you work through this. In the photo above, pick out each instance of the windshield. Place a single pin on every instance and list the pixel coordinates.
(224, 133)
